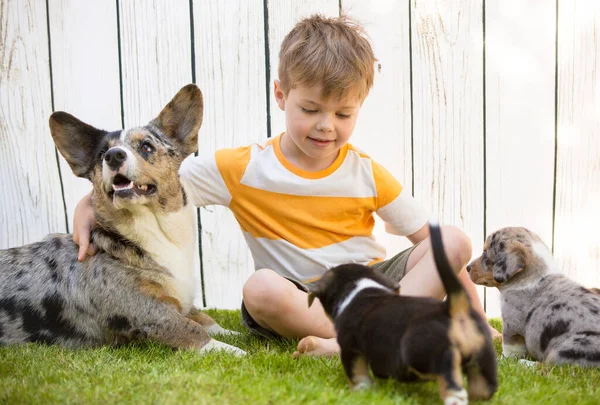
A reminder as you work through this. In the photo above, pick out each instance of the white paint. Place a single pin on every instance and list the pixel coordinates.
(447, 110)
(361, 285)
(577, 219)
(30, 200)
(85, 73)
(519, 76)
(230, 70)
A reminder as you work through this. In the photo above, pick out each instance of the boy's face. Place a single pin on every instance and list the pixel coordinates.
(316, 128)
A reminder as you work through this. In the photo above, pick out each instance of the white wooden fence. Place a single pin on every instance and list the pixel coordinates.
(488, 111)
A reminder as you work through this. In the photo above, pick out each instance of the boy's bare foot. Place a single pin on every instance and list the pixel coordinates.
(317, 347)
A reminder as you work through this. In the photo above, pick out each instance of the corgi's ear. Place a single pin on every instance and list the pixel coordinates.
(78, 142)
(181, 119)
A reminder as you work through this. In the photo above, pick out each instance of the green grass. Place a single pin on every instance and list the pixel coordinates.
(153, 374)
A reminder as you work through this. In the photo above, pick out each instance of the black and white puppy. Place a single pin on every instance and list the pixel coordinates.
(408, 338)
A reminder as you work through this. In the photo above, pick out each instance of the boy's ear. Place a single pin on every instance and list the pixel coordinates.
(77, 141)
(279, 94)
(181, 118)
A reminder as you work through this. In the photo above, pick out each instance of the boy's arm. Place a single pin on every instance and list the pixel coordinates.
(420, 235)
(83, 223)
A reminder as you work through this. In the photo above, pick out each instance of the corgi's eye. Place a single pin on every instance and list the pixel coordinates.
(147, 148)
(101, 154)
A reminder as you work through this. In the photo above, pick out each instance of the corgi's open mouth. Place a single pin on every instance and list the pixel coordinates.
(123, 187)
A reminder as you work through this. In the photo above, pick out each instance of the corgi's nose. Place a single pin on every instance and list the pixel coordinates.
(115, 157)
(469, 268)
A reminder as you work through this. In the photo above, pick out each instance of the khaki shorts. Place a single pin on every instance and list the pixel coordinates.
(394, 268)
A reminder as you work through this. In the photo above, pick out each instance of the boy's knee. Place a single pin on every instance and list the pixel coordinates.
(263, 292)
(457, 246)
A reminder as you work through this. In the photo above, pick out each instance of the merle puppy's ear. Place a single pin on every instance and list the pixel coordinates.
(78, 142)
(511, 260)
(181, 119)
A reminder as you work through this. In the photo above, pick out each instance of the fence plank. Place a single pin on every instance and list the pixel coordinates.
(384, 123)
(230, 66)
(31, 203)
(447, 71)
(519, 57)
(85, 70)
(155, 55)
(576, 237)
(156, 62)
(283, 15)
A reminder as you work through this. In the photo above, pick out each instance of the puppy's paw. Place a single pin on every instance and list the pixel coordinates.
(518, 351)
(216, 329)
(527, 363)
(216, 345)
(363, 384)
(457, 398)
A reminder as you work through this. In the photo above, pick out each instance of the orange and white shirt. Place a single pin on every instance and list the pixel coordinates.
(301, 223)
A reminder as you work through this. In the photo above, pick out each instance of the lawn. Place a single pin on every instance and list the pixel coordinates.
(153, 374)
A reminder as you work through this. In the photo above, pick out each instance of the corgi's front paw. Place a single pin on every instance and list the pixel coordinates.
(216, 329)
(216, 345)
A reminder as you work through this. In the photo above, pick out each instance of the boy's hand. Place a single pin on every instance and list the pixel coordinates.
(83, 223)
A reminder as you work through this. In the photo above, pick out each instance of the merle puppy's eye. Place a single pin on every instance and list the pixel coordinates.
(485, 259)
(146, 147)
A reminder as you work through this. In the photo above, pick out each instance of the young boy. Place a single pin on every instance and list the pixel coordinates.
(305, 199)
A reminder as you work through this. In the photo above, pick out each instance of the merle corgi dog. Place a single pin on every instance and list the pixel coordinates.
(140, 284)
(409, 338)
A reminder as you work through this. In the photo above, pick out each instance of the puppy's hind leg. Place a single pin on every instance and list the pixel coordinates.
(482, 374)
(357, 370)
(209, 324)
(450, 378)
(582, 348)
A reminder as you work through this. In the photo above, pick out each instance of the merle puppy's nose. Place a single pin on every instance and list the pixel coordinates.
(115, 157)
(469, 268)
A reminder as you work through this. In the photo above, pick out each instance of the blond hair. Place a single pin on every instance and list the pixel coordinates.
(332, 52)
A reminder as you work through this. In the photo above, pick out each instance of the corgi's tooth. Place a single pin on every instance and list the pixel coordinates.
(143, 187)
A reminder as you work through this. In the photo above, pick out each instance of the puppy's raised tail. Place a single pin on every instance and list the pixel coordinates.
(458, 300)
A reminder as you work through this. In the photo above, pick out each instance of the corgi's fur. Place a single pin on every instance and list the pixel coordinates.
(407, 338)
(140, 284)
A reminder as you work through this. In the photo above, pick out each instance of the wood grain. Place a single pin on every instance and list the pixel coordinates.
(447, 73)
(230, 68)
(85, 73)
(31, 203)
(577, 218)
(384, 123)
(519, 76)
